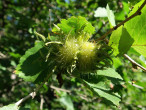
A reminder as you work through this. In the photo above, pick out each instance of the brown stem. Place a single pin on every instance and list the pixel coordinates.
(59, 89)
(42, 102)
(138, 12)
(134, 62)
(33, 94)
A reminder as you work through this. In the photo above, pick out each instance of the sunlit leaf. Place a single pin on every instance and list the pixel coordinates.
(120, 41)
(100, 12)
(136, 28)
(99, 83)
(10, 107)
(74, 25)
(111, 16)
(66, 100)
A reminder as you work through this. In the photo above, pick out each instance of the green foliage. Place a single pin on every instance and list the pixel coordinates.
(120, 41)
(10, 107)
(101, 85)
(125, 37)
(32, 66)
(111, 16)
(109, 72)
(66, 101)
(76, 54)
(124, 11)
(21, 24)
(13, 107)
(100, 12)
(75, 27)
(136, 28)
(133, 1)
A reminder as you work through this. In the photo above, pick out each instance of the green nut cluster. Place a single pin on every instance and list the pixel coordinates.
(87, 56)
(68, 52)
(83, 53)
(76, 49)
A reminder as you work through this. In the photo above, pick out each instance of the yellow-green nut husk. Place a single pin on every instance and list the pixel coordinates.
(83, 54)
(87, 56)
(68, 52)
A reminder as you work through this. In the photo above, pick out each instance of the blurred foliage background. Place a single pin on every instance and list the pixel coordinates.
(19, 17)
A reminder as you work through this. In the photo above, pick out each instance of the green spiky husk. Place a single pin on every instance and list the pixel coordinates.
(76, 50)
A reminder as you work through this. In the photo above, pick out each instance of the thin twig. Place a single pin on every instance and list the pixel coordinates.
(137, 86)
(134, 62)
(130, 59)
(59, 89)
(32, 94)
(42, 102)
(138, 12)
(84, 97)
(2, 56)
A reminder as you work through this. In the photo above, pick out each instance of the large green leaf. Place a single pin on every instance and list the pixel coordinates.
(102, 89)
(113, 97)
(102, 83)
(67, 102)
(13, 107)
(137, 29)
(132, 34)
(32, 66)
(100, 12)
(10, 107)
(99, 83)
(110, 15)
(120, 41)
(133, 1)
(75, 25)
(109, 72)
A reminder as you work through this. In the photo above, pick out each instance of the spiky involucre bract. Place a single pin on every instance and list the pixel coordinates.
(76, 50)
(68, 52)
(86, 56)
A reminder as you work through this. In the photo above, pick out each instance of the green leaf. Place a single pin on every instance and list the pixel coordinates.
(21, 108)
(74, 25)
(99, 84)
(120, 41)
(111, 16)
(32, 66)
(10, 107)
(116, 62)
(109, 72)
(100, 12)
(136, 27)
(131, 35)
(102, 82)
(41, 36)
(124, 12)
(66, 100)
(101, 87)
(13, 107)
(113, 97)
(133, 1)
